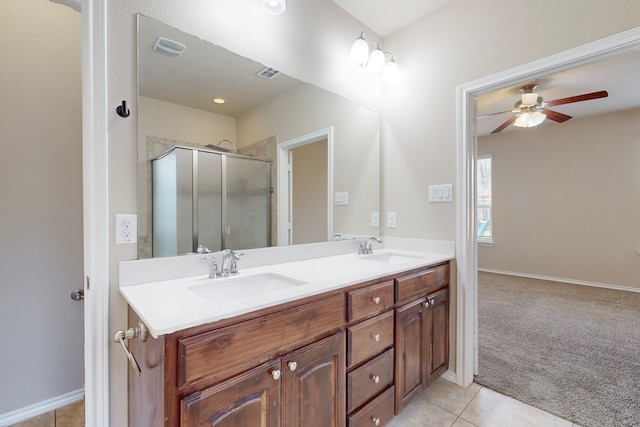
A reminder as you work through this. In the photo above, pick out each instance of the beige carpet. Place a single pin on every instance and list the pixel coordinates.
(571, 350)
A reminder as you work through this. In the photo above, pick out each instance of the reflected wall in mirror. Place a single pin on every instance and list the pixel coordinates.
(266, 115)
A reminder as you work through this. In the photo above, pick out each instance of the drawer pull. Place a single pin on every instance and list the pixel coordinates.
(376, 379)
(376, 337)
(276, 374)
(292, 366)
(376, 421)
(376, 300)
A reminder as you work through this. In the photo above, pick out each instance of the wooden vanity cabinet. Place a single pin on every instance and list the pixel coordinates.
(305, 387)
(422, 332)
(350, 357)
(370, 354)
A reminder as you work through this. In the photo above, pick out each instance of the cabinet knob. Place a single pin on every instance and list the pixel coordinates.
(292, 366)
(376, 379)
(432, 301)
(376, 300)
(376, 421)
(376, 337)
(425, 304)
(276, 374)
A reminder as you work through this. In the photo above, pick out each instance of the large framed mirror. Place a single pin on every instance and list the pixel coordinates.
(322, 150)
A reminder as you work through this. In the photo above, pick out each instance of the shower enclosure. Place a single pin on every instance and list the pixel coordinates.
(217, 200)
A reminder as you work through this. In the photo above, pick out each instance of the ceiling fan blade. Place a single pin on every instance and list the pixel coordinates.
(498, 113)
(505, 124)
(555, 116)
(578, 98)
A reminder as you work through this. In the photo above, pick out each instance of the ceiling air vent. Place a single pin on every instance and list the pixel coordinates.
(169, 47)
(267, 73)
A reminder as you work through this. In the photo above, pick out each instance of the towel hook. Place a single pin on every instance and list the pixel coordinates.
(122, 110)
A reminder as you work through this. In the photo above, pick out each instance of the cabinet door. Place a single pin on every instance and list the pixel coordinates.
(251, 399)
(313, 384)
(411, 351)
(438, 329)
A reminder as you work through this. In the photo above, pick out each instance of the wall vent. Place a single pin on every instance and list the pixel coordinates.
(168, 46)
(267, 73)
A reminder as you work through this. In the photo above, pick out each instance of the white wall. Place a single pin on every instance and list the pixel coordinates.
(566, 199)
(461, 42)
(41, 355)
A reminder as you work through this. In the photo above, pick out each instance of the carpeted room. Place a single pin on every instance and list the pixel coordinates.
(565, 203)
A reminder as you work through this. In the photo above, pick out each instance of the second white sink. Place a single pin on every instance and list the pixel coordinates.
(235, 288)
(390, 257)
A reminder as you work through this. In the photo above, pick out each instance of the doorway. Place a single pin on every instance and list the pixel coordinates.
(467, 317)
(305, 185)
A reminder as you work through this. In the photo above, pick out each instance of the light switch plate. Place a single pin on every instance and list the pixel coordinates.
(375, 219)
(126, 228)
(441, 193)
(341, 199)
(391, 220)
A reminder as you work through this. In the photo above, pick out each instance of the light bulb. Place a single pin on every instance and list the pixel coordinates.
(274, 7)
(376, 61)
(390, 72)
(359, 51)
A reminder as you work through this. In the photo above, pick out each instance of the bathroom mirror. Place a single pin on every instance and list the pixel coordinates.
(333, 187)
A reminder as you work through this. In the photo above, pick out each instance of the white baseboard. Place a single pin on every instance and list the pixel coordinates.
(450, 376)
(559, 279)
(40, 408)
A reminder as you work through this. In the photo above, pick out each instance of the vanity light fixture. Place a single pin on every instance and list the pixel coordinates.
(375, 61)
(274, 7)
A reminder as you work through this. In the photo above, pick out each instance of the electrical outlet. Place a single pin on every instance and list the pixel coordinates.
(391, 219)
(375, 219)
(126, 228)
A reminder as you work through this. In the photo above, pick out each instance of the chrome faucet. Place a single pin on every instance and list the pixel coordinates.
(364, 246)
(229, 265)
(213, 268)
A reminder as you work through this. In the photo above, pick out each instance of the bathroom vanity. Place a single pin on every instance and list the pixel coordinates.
(352, 355)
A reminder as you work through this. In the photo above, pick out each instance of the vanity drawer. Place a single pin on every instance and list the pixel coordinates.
(377, 413)
(369, 301)
(417, 285)
(369, 380)
(368, 338)
(230, 350)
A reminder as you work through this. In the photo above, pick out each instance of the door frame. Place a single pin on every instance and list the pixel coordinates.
(284, 201)
(466, 139)
(95, 178)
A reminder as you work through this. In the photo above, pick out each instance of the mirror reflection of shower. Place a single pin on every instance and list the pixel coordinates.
(218, 148)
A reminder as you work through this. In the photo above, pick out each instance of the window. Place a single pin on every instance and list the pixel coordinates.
(483, 202)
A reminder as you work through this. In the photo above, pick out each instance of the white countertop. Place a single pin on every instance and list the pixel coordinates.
(168, 306)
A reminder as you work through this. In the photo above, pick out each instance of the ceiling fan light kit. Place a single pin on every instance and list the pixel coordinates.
(532, 110)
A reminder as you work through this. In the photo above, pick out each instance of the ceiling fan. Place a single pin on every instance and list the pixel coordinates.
(532, 110)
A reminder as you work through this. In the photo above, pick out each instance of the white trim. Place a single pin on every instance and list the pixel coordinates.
(562, 280)
(616, 44)
(73, 4)
(283, 187)
(40, 408)
(95, 155)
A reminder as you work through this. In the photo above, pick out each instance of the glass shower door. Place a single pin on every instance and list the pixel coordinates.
(246, 214)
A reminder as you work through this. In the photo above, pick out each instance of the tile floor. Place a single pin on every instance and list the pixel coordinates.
(67, 416)
(446, 404)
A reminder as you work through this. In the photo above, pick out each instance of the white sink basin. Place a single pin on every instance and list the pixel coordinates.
(390, 257)
(227, 289)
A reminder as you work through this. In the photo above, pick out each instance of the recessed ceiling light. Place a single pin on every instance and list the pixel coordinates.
(218, 100)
